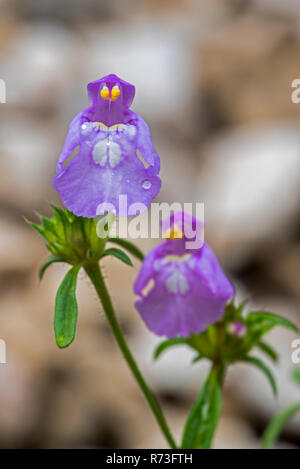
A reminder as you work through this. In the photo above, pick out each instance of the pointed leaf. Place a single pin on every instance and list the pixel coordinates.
(130, 247)
(264, 368)
(46, 264)
(296, 376)
(197, 358)
(40, 229)
(166, 344)
(66, 310)
(204, 416)
(268, 350)
(118, 254)
(272, 318)
(48, 224)
(241, 306)
(277, 423)
(59, 213)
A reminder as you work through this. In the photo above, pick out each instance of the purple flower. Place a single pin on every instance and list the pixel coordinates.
(116, 154)
(189, 288)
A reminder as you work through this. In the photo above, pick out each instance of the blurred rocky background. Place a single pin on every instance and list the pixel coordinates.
(213, 80)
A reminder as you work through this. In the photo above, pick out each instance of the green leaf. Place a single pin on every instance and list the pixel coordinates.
(166, 344)
(272, 318)
(296, 376)
(66, 309)
(46, 264)
(130, 247)
(241, 307)
(264, 368)
(197, 358)
(118, 254)
(277, 423)
(268, 350)
(204, 416)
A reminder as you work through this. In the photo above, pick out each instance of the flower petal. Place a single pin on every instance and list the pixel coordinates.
(72, 140)
(84, 185)
(189, 293)
(211, 274)
(144, 143)
(128, 89)
(147, 269)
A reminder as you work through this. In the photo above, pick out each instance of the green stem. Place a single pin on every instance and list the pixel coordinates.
(94, 273)
(218, 368)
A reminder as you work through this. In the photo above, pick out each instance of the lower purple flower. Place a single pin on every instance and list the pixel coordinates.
(189, 289)
(116, 155)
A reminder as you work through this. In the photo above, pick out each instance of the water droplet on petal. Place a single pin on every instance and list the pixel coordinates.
(146, 184)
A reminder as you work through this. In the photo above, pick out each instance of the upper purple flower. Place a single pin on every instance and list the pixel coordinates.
(107, 165)
(190, 289)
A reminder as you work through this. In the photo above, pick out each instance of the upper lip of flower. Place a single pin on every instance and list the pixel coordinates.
(110, 81)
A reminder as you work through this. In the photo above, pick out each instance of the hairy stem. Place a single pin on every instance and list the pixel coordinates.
(94, 273)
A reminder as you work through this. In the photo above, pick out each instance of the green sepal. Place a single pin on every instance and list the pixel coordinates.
(167, 344)
(264, 368)
(66, 310)
(73, 239)
(36, 227)
(197, 358)
(119, 254)
(259, 323)
(268, 350)
(130, 247)
(218, 342)
(269, 320)
(46, 264)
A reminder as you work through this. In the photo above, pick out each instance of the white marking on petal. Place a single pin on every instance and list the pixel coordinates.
(86, 127)
(177, 283)
(182, 284)
(130, 131)
(171, 283)
(107, 149)
(100, 153)
(192, 262)
(114, 152)
(148, 287)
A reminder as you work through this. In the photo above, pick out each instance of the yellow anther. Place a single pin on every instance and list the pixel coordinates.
(174, 233)
(104, 93)
(115, 93)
